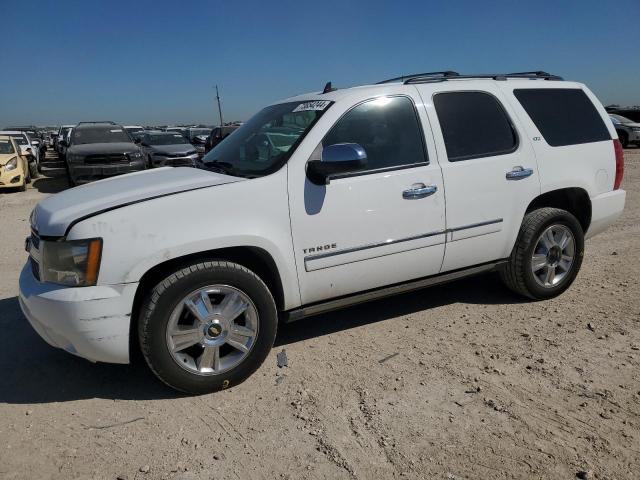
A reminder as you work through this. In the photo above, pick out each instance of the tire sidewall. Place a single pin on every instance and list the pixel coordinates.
(569, 221)
(157, 354)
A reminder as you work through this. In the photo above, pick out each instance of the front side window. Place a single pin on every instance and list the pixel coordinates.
(387, 128)
(564, 116)
(109, 134)
(474, 125)
(263, 144)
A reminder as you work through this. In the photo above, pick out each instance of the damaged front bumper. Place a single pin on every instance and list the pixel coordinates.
(91, 322)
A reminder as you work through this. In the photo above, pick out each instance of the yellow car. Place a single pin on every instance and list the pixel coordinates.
(14, 167)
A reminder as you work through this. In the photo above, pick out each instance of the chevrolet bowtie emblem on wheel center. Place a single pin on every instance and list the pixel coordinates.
(214, 330)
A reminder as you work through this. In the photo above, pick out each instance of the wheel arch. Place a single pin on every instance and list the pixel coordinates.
(255, 259)
(574, 200)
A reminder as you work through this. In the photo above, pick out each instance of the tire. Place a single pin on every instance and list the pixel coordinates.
(72, 182)
(33, 169)
(518, 274)
(624, 139)
(159, 311)
(27, 172)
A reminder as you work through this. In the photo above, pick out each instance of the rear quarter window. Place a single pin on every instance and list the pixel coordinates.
(564, 116)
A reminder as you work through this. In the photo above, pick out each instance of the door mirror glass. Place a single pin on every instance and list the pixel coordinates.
(336, 159)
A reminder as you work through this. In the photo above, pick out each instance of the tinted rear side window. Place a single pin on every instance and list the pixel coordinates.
(474, 125)
(563, 116)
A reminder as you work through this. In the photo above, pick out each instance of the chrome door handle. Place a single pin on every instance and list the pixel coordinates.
(419, 190)
(518, 173)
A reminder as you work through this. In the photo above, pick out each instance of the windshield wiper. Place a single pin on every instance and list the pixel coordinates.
(222, 167)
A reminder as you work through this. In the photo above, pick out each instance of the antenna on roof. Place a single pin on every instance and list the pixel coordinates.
(328, 88)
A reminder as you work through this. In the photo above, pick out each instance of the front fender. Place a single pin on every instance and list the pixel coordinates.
(252, 213)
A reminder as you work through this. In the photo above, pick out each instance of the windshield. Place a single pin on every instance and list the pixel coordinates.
(263, 144)
(6, 147)
(194, 132)
(167, 139)
(621, 119)
(19, 138)
(110, 134)
(64, 131)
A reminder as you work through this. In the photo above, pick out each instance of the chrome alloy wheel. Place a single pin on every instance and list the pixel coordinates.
(553, 255)
(212, 330)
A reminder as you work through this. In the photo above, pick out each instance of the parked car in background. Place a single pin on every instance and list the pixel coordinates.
(181, 130)
(27, 149)
(137, 135)
(14, 165)
(101, 149)
(218, 134)
(62, 133)
(628, 130)
(163, 149)
(321, 201)
(63, 144)
(36, 138)
(131, 129)
(197, 136)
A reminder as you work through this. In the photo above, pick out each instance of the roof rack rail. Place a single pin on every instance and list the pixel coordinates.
(428, 78)
(445, 73)
(98, 121)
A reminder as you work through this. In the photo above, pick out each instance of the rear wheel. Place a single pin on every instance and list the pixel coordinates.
(207, 327)
(547, 255)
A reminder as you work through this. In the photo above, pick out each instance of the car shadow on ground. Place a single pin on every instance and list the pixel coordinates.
(484, 289)
(51, 184)
(31, 371)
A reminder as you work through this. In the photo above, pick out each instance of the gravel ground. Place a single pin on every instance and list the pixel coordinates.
(454, 382)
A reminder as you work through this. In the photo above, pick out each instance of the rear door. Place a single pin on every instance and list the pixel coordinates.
(489, 169)
(376, 227)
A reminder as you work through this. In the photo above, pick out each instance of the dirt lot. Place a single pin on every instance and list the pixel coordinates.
(459, 381)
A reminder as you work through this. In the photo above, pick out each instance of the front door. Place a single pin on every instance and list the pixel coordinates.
(376, 227)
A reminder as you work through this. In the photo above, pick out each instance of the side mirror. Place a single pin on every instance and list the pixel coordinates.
(336, 159)
(63, 143)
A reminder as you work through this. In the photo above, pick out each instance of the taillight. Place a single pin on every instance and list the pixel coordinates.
(619, 163)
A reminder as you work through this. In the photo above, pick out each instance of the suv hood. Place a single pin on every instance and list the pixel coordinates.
(54, 215)
(115, 147)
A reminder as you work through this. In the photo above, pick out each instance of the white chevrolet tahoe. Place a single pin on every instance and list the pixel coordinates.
(321, 201)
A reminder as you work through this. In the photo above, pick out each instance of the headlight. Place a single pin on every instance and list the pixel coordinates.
(11, 164)
(74, 263)
(135, 155)
(636, 129)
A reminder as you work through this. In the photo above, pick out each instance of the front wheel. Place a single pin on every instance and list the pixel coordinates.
(547, 255)
(207, 327)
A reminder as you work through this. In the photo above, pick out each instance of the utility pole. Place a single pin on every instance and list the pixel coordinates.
(219, 108)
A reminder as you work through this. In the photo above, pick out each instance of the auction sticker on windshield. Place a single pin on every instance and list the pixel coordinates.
(315, 105)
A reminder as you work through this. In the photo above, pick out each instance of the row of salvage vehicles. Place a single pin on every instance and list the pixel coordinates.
(21, 152)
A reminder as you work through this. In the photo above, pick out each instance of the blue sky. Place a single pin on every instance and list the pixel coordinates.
(158, 61)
